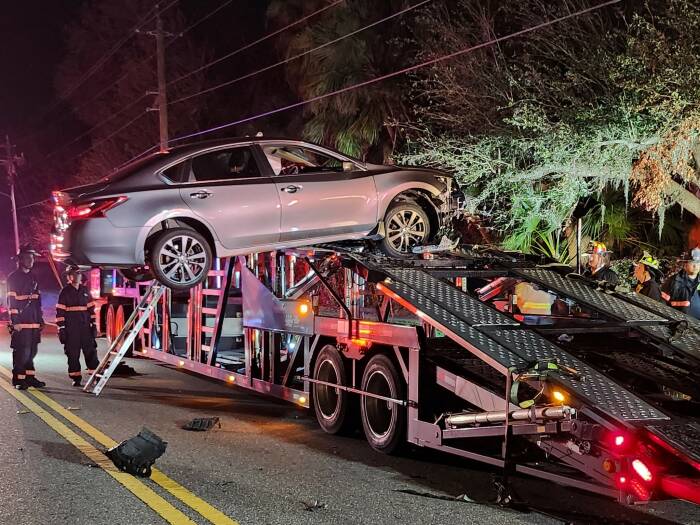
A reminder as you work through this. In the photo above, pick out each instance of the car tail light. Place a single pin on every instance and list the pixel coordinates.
(95, 208)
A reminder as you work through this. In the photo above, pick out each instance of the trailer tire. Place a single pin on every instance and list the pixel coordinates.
(334, 408)
(109, 324)
(384, 422)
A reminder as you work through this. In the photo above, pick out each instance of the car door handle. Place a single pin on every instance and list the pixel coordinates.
(291, 188)
(203, 194)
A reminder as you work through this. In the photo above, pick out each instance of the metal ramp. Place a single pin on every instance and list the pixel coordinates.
(648, 316)
(121, 344)
(503, 343)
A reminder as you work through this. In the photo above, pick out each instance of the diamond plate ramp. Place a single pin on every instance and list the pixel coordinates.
(581, 292)
(684, 437)
(485, 330)
(597, 388)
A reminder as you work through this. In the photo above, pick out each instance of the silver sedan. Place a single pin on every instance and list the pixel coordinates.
(172, 213)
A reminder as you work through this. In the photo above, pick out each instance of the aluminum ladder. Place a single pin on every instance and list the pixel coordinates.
(121, 344)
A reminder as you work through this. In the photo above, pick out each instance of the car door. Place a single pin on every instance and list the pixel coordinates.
(320, 194)
(227, 189)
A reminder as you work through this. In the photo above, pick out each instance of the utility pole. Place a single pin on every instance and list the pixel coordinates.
(11, 161)
(162, 94)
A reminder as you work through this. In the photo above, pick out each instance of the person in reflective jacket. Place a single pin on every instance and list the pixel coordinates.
(26, 319)
(598, 265)
(647, 271)
(682, 290)
(75, 317)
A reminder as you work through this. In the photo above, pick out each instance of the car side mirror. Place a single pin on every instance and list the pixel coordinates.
(348, 166)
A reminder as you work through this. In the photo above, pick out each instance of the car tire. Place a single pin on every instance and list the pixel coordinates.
(406, 225)
(176, 273)
(384, 422)
(335, 409)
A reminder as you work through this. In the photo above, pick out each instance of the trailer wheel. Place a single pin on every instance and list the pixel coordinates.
(333, 407)
(384, 422)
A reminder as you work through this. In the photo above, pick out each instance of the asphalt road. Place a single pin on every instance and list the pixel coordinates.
(268, 463)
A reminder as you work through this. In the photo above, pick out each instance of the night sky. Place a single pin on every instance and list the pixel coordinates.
(32, 44)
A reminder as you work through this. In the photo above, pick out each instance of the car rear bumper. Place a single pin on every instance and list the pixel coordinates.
(97, 242)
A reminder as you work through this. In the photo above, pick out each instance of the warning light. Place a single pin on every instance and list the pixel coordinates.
(558, 396)
(642, 470)
(622, 480)
(303, 308)
(609, 465)
(619, 440)
(302, 400)
(231, 379)
(181, 363)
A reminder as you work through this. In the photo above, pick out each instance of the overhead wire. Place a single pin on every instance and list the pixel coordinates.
(256, 42)
(402, 71)
(300, 55)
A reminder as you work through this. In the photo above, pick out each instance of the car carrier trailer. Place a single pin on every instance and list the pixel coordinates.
(490, 356)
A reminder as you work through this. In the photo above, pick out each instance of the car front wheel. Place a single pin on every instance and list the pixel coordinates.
(181, 258)
(406, 225)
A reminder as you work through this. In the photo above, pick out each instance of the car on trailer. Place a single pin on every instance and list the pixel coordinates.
(172, 214)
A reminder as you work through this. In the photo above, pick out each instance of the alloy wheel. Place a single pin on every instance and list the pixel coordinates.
(406, 229)
(182, 260)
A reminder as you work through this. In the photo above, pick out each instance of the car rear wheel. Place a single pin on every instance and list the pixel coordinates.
(181, 258)
(406, 225)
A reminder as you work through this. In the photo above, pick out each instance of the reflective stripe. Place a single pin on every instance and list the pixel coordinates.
(27, 325)
(665, 296)
(24, 297)
(60, 306)
(76, 308)
(75, 374)
(14, 311)
(12, 294)
(58, 319)
(680, 303)
(30, 372)
(91, 303)
(21, 376)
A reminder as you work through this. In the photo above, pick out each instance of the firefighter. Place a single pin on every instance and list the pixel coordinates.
(647, 271)
(26, 320)
(682, 290)
(75, 317)
(598, 264)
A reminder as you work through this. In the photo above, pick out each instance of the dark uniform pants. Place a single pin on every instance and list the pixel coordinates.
(77, 340)
(25, 345)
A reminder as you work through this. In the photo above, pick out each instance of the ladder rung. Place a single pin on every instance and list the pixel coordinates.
(209, 311)
(211, 291)
(206, 348)
(216, 273)
(208, 329)
(146, 330)
(114, 352)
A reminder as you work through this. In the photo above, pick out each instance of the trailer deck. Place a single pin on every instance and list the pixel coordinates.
(587, 387)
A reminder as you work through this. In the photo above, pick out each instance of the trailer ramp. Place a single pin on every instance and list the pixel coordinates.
(498, 339)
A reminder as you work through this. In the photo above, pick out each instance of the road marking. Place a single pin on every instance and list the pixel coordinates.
(206, 510)
(161, 506)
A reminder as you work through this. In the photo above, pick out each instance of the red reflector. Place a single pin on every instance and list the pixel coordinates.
(619, 441)
(622, 480)
(642, 470)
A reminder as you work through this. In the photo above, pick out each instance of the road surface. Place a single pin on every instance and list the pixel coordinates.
(268, 463)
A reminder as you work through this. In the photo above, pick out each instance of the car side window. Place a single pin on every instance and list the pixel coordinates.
(292, 160)
(228, 164)
(174, 173)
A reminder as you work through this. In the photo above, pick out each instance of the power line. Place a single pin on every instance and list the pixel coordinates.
(115, 132)
(259, 40)
(205, 17)
(398, 72)
(99, 124)
(299, 55)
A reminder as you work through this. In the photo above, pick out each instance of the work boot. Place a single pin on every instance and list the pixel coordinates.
(78, 381)
(33, 381)
(20, 384)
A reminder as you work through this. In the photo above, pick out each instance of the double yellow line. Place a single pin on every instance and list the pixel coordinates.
(161, 506)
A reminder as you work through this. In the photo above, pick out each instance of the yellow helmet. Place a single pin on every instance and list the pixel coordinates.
(649, 261)
(597, 247)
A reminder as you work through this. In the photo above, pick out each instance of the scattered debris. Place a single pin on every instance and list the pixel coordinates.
(20, 412)
(72, 408)
(124, 370)
(92, 465)
(136, 455)
(462, 497)
(202, 424)
(315, 505)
